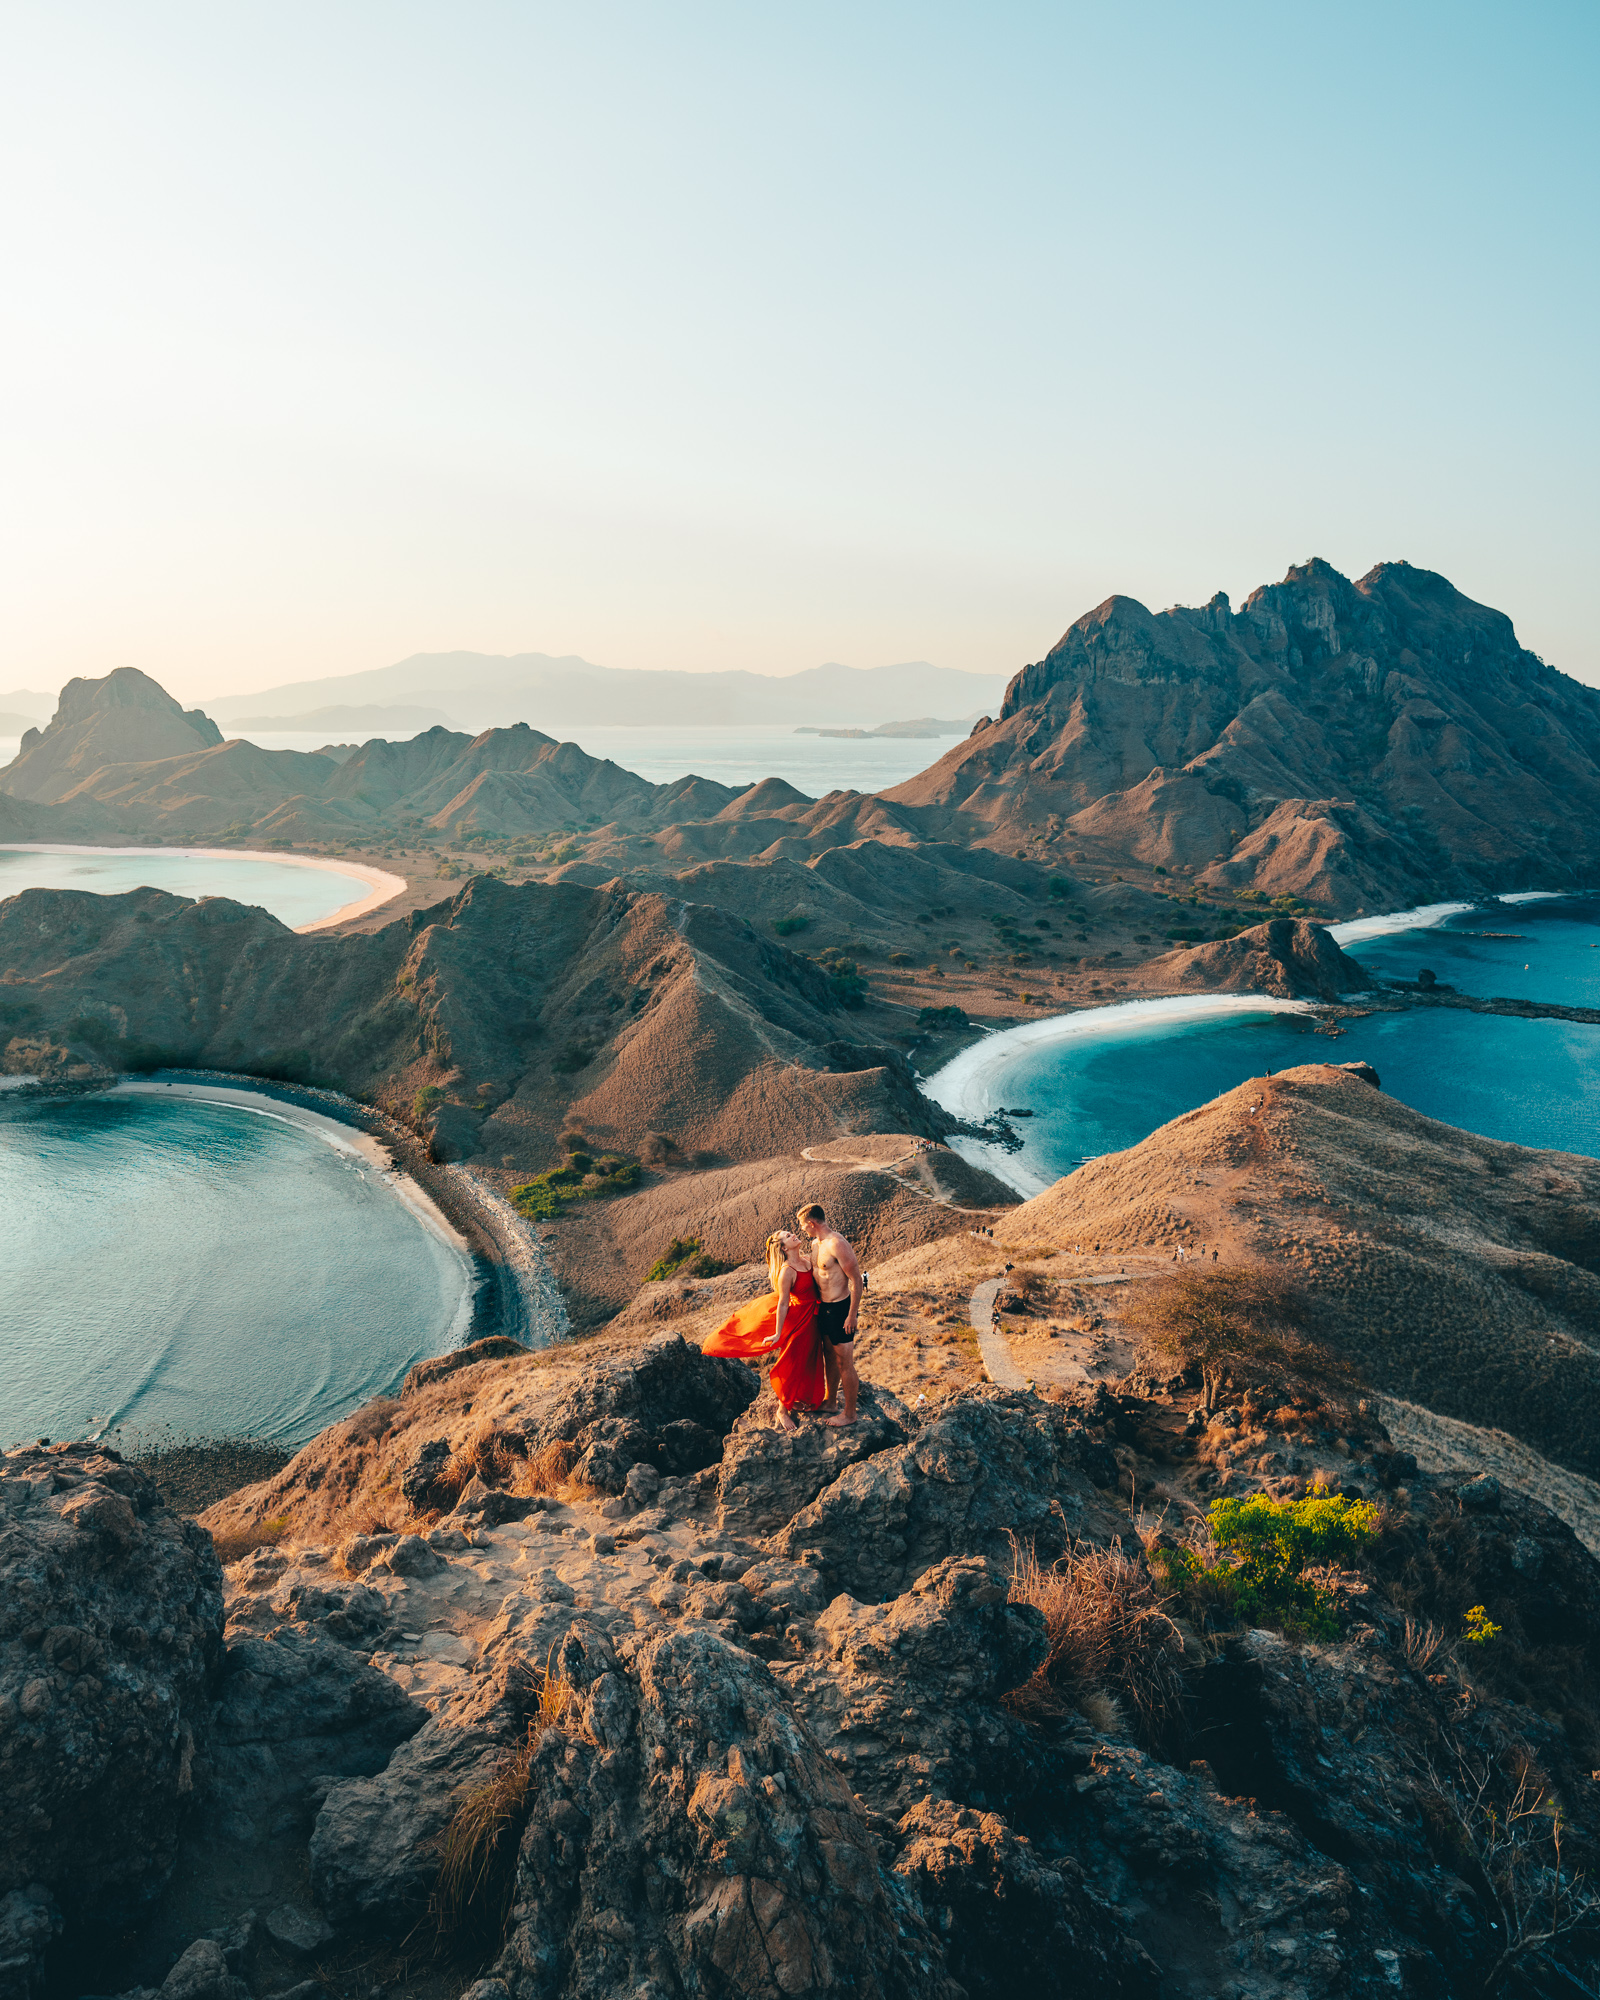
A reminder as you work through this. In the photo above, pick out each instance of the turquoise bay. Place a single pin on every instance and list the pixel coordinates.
(1116, 1075)
(204, 1269)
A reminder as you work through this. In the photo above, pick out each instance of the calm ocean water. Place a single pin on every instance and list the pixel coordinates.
(1536, 1083)
(192, 1266)
(741, 756)
(294, 896)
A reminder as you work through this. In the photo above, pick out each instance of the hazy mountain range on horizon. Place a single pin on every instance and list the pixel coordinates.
(489, 690)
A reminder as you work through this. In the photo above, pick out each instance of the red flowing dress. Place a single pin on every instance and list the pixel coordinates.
(798, 1376)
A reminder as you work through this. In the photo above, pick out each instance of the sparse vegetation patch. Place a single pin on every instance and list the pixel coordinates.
(584, 1178)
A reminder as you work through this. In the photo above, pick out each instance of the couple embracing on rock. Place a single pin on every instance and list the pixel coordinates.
(809, 1316)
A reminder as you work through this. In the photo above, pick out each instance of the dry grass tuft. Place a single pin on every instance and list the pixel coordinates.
(494, 1454)
(231, 1545)
(372, 1421)
(1108, 1637)
(478, 1854)
(546, 1471)
(1219, 1321)
(1422, 1645)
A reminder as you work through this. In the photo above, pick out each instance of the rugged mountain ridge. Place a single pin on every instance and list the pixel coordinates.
(1349, 741)
(659, 1012)
(1354, 744)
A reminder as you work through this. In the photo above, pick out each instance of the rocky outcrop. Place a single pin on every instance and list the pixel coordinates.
(1288, 957)
(110, 1628)
(669, 1410)
(1014, 1923)
(989, 1466)
(766, 1477)
(926, 1669)
(688, 1836)
(124, 719)
(296, 1713)
(740, 1754)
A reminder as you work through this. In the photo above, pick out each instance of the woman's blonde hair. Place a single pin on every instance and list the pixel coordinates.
(777, 1257)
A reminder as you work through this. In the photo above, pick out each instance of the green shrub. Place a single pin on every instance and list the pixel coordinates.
(1264, 1550)
(1060, 886)
(684, 1259)
(941, 1017)
(545, 1197)
(787, 926)
(1477, 1627)
(424, 1101)
(845, 983)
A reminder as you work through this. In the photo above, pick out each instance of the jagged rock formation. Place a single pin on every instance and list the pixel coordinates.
(785, 1751)
(110, 1630)
(124, 719)
(763, 1784)
(1349, 742)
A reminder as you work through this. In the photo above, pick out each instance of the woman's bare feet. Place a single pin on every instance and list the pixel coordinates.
(787, 1423)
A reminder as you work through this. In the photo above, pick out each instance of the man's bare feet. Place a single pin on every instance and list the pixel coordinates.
(840, 1423)
(827, 1409)
(787, 1423)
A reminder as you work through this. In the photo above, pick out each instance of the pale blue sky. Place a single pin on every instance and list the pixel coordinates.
(726, 336)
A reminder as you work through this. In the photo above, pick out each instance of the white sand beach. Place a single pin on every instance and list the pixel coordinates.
(1427, 915)
(382, 887)
(971, 1085)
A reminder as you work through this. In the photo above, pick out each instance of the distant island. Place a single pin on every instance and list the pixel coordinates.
(924, 725)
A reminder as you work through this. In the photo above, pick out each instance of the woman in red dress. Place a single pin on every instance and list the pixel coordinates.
(786, 1320)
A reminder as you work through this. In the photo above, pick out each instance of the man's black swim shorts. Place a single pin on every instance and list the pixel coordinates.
(831, 1316)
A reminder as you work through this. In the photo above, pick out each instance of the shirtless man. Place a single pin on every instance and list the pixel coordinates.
(838, 1276)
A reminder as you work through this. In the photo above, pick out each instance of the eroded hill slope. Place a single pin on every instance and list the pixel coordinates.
(1449, 1269)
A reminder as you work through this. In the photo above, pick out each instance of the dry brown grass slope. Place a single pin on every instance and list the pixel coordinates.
(520, 1007)
(1451, 1270)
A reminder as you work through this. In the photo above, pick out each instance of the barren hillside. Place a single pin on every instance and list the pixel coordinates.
(1451, 1270)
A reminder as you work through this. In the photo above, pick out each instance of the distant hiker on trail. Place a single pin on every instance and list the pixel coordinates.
(787, 1320)
(840, 1282)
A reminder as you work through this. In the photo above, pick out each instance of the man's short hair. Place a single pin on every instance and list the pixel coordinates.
(812, 1212)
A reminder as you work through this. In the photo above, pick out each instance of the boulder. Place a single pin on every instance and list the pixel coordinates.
(904, 1696)
(687, 1835)
(295, 1710)
(767, 1476)
(30, 1923)
(666, 1382)
(608, 1450)
(110, 1624)
(1013, 1923)
(686, 1445)
(202, 1974)
(422, 1482)
(992, 1464)
(374, 1848)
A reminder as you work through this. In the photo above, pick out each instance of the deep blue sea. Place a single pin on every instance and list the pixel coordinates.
(200, 1269)
(1536, 1083)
